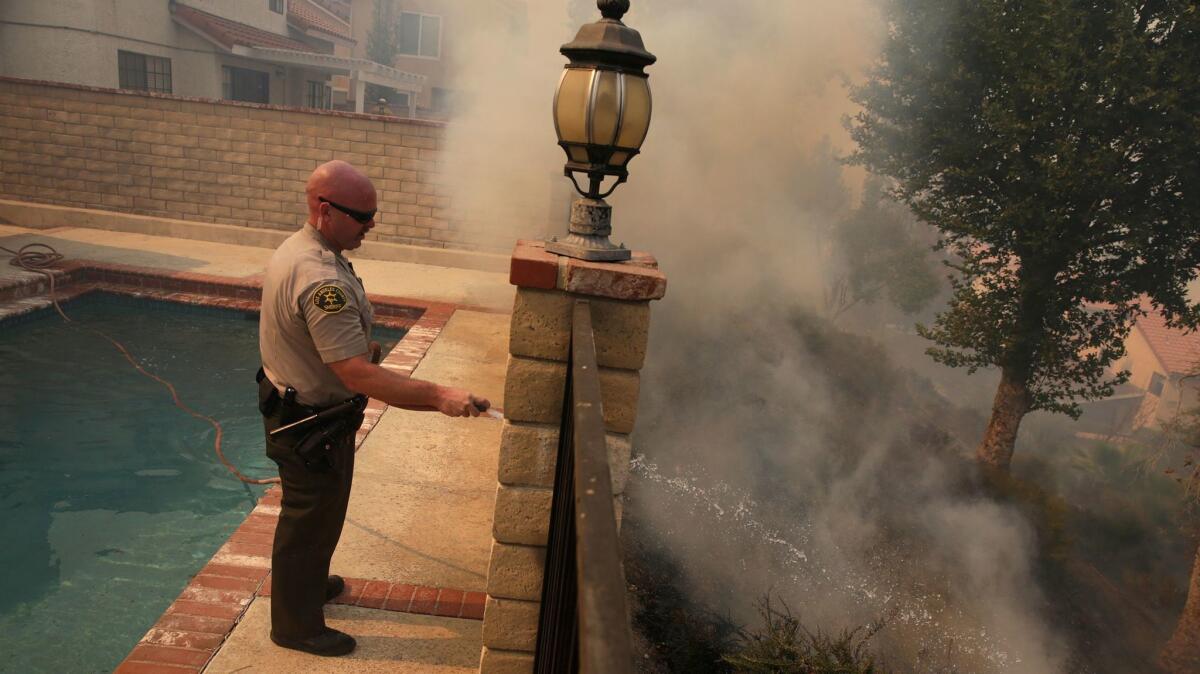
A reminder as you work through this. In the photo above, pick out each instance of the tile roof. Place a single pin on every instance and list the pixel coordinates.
(230, 34)
(339, 8)
(308, 16)
(1178, 351)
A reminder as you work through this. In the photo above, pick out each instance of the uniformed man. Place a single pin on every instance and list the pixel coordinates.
(313, 337)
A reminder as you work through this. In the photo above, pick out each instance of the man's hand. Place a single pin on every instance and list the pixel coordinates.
(360, 375)
(458, 402)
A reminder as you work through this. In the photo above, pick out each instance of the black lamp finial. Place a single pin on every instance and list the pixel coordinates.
(613, 9)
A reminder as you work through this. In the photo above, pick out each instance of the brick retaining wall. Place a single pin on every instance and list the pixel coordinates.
(216, 161)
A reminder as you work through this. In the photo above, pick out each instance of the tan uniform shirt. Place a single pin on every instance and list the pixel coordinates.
(314, 311)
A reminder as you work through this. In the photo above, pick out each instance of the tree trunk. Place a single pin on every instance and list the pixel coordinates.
(1010, 406)
(1182, 653)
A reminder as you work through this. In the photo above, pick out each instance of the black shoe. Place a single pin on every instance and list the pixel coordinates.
(328, 643)
(334, 585)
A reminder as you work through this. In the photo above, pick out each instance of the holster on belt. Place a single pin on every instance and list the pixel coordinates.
(268, 395)
(315, 448)
(314, 441)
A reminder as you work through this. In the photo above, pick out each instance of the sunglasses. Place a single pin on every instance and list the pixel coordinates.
(362, 217)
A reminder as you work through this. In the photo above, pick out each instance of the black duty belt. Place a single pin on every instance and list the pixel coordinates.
(344, 408)
(308, 415)
(321, 428)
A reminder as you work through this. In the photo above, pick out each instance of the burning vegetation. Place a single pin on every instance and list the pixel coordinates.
(863, 548)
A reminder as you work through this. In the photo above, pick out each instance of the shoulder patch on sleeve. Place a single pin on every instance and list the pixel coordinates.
(329, 298)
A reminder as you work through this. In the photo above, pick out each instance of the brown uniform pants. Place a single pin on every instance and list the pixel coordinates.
(310, 523)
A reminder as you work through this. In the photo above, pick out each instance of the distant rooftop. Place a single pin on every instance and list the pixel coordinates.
(1178, 351)
(230, 34)
(339, 8)
(309, 15)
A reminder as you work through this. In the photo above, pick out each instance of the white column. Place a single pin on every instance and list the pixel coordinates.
(360, 92)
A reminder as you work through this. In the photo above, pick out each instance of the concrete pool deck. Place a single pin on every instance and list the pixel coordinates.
(420, 518)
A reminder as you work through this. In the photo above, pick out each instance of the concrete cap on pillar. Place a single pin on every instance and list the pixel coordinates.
(636, 279)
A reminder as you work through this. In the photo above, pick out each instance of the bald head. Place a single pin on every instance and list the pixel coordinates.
(342, 184)
(336, 181)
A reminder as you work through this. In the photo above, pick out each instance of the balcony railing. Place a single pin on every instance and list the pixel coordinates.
(584, 623)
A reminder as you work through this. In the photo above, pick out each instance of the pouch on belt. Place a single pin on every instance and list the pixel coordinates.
(316, 447)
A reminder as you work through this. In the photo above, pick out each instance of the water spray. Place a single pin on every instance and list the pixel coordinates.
(726, 504)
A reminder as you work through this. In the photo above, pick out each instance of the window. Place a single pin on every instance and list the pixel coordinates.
(146, 73)
(1157, 381)
(319, 96)
(241, 84)
(420, 35)
(277, 6)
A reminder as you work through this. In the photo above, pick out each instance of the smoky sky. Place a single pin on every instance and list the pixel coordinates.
(774, 455)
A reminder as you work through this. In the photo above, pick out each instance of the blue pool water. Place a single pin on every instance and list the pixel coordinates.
(110, 496)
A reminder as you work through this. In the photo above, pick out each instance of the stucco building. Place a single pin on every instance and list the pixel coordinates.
(429, 36)
(299, 53)
(1160, 361)
(284, 52)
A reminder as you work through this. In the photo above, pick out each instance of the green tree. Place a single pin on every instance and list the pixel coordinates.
(1055, 144)
(383, 44)
(880, 255)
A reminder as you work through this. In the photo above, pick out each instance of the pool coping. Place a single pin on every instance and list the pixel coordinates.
(22, 294)
(196, 624)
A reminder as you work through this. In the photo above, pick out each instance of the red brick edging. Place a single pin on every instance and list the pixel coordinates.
(195, 626)
(24, 294)
(405, 598)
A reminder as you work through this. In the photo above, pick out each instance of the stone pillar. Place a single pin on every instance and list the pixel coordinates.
(539, 340)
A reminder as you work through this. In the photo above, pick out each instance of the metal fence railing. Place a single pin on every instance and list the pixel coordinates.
(584, 622)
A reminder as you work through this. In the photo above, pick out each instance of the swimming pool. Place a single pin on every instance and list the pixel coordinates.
(111, 497)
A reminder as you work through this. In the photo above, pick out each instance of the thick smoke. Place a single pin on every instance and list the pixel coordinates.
(502, 157)
(773, 460)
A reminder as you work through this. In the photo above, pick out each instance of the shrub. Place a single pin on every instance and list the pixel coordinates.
(783, 645)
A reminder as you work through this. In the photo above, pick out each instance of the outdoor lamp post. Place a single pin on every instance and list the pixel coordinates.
(601, 114)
